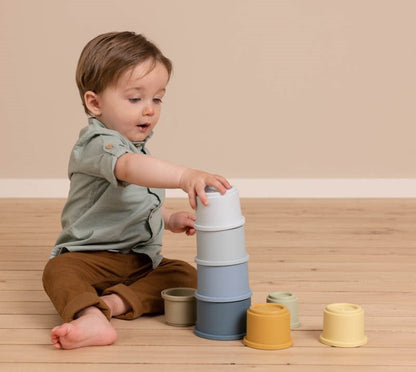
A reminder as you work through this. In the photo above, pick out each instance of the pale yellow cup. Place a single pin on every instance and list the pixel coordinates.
(343, 325)
(268, 327)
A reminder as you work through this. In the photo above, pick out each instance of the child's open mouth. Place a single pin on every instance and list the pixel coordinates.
(143, 127)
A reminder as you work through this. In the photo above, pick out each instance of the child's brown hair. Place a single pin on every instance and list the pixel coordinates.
(106, 57)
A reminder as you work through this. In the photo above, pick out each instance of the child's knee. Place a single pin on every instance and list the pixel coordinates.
(184, 272)
(50, 272)
(190, 271)
(56, 270)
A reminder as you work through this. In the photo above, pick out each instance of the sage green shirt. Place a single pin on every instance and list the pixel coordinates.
(102, 213)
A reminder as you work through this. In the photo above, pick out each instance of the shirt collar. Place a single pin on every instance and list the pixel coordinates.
(140, 144)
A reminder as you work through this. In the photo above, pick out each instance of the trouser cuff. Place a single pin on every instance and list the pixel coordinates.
(81, 302)
(130, 297)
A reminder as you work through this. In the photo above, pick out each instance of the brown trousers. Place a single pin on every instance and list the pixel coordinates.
(76, 280)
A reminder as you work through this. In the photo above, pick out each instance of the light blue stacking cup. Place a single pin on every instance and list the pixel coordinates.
(223, 283)
(221, 320)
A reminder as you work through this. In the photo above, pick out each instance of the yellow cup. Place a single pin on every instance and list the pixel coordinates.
(343, 325)
(268, 327)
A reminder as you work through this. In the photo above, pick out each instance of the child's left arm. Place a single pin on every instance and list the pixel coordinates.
(178, 222)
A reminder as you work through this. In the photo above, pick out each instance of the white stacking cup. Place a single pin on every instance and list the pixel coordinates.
(222, 213)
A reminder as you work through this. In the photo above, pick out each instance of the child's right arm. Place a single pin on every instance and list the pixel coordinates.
(148, 171)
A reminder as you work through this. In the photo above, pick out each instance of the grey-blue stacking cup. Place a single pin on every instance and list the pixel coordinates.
(221, 320)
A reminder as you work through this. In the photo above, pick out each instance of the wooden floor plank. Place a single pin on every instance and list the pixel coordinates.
(372, 310)
(200, 355)
(185, 337)
(111, 367)
(313, 323)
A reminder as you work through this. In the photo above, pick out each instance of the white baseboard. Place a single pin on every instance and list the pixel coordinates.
(248, 188)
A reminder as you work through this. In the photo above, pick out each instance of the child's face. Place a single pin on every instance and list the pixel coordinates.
(132, 106)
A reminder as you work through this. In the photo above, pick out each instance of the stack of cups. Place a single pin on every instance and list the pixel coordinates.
(223, 295)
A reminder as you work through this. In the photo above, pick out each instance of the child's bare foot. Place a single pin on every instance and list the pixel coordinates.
(91, 328)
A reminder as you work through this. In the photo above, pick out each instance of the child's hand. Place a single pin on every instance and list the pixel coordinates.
(181, 222)
(194, 182)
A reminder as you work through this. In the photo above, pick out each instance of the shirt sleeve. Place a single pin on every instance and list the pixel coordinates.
(97, 156)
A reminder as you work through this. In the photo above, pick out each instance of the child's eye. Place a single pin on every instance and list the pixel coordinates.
(157, 100)
(134, 100)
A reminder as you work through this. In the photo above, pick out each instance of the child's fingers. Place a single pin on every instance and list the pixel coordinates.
(221, 184)
(192, 199)
(189, 220)
(202, 195)
(191, 217)
(190, 231)
(216, 181)
(224, 181)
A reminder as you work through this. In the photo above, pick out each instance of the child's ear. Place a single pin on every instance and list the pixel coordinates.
(92, 102)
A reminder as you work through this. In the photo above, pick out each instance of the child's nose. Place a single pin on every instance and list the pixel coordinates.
(148, 109)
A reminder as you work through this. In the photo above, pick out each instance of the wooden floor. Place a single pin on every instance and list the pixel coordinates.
(324, 251)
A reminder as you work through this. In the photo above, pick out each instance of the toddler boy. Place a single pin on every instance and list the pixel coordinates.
(107, 260)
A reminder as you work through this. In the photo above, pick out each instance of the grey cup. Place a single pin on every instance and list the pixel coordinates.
(220, 248)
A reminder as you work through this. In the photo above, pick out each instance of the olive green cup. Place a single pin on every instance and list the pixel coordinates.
(290, 301)
(180, 306)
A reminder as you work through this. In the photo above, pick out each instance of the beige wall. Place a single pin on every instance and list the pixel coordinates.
(285, 89)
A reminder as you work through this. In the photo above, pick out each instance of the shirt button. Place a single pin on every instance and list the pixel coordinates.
(109, 146)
